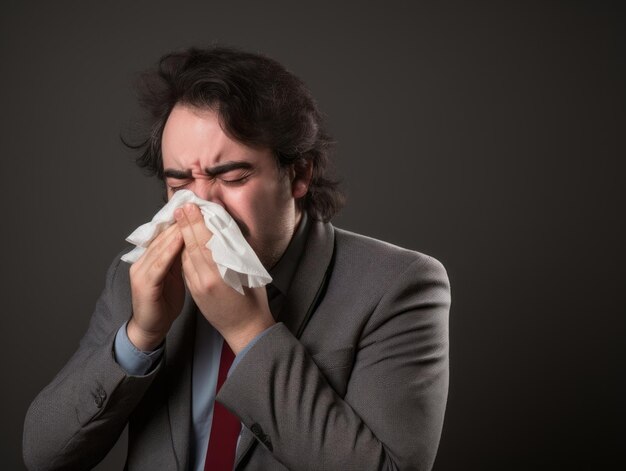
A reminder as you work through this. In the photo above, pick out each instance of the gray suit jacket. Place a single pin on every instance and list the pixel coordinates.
(354, 378)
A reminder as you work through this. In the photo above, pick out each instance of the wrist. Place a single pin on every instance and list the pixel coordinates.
(143, 340)
(237, 341)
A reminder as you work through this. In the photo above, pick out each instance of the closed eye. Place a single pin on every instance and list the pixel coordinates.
(236, 180)
(224, 179)
(175, 188)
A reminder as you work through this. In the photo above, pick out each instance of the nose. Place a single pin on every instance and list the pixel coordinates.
(208, 190)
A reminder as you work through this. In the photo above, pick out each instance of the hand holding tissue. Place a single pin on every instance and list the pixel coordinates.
(237, 263)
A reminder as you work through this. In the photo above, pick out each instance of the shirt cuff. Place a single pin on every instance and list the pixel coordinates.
(245, 349)
(130, 358)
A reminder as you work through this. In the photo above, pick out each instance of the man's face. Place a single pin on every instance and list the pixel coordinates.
(199, 156)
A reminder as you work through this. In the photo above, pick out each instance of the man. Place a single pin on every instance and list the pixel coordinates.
(340, 364)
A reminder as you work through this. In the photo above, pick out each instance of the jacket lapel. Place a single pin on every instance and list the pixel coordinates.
(178, 362)
(310, 278)
(304, 293)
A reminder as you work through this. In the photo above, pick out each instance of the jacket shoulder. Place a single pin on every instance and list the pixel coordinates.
(364, 254)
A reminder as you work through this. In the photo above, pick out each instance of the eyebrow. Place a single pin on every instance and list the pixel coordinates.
(227, 167)
(211, 171)
(177, 174)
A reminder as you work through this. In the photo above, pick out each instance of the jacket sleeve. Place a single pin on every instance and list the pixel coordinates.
(77, 418)
(392, 413)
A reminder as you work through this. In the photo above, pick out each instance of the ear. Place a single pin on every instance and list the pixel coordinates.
(301, 173)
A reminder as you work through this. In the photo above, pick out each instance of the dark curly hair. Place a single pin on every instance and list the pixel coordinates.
(259, 103)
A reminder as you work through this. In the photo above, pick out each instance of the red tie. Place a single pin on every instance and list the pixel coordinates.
(225, 427)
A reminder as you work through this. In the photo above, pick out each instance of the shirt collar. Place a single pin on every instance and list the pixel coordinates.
(282, 272)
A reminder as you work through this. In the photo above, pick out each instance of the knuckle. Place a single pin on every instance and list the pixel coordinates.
(136, 287)
(191, 245)
(159, 265)
(135, 274)
(208, 282)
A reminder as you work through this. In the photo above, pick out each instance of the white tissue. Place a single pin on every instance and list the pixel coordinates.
(235, 259)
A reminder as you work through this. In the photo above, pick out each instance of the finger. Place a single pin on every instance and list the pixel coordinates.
(193, 227)
(189, 271)
(153, 251)
(195, 234)
(198, 263)
(175, 271)
(157, 244)
(161, 257)
(168, 256)
(191, 245)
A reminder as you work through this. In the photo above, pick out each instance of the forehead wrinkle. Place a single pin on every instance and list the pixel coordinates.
(202, 146)
(190, 142)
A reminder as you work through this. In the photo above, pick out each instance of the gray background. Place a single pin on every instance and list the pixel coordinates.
(487, 134)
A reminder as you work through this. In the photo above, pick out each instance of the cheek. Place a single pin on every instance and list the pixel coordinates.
(244, 206)
(261, 211)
